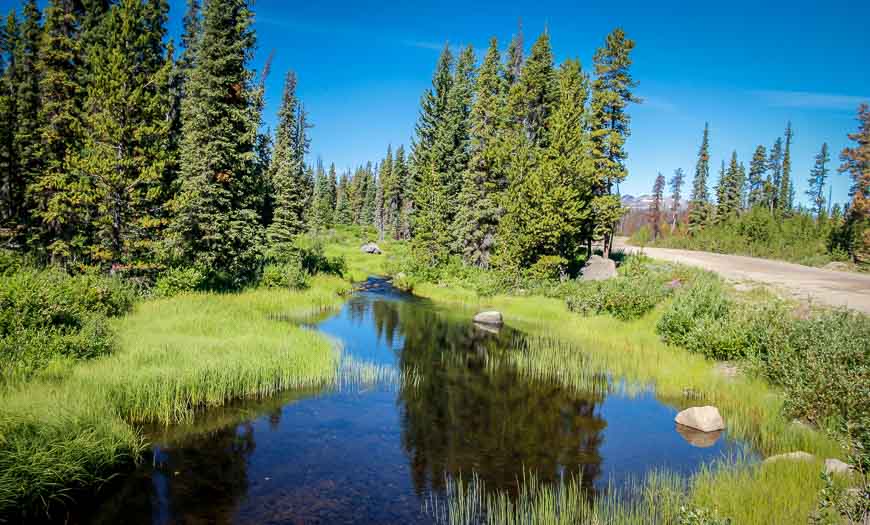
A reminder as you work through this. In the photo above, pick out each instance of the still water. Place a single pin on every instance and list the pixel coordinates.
(375, 452)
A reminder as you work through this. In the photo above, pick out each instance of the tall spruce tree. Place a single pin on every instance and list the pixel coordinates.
(818, 178)
(676, 184)
(286, 174)
(539, 89)
(126, 149)
(513, 66)
(656, 206)
(401, 225)
(856, 162)
(547, 211)
(28, 162)
(9, 184)
(729, 191)
(62, 200)
(757, 175)
(476, 223)
(774, 179)
(388, 190)
(342, 200)
(451, 148)
(612, 92)
(431, 120)
(217, 226)
(699, 202)
(786, 189)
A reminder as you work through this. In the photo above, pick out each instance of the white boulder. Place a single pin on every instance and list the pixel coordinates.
(705, 419)
(489, 318)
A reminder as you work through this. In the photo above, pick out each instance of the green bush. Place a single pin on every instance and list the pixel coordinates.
(547, 268)
(625, 297)
(48, 314)
(177, 281)
(824, 367)
(287, 275)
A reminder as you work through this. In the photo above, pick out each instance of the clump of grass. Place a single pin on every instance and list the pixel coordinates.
(71, 426)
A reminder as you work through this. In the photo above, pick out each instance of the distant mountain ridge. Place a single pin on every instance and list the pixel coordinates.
(642, 202)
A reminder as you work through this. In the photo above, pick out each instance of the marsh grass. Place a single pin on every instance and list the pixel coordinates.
(76, 423)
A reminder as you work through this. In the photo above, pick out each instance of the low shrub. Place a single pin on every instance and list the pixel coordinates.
(176, 281)
(48, 314)
(622, 297)
(288, 275)
(548, 268)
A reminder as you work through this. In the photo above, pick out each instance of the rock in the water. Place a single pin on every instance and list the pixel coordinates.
(835, 466)
(598, 268)
(371, 248)
(489, 318)
(705, 419)
(799, 455)
(699, 439)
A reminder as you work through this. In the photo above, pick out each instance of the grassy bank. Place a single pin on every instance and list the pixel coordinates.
(76, 423)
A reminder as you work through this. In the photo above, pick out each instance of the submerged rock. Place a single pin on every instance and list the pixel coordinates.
(371, 248)
(835, 466)
(696, 438)
(798, 455)
(705, 419)
(492, 318)
(597, 268)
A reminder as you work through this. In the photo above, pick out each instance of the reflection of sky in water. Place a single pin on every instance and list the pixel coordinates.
(373, 455)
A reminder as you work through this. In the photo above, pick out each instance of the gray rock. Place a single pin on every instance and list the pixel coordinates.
(799, 455)
(696, 438)
(705, 419)
(835, 466)
(489, 318)
(488, 328)
(371, 248)
(598, 268)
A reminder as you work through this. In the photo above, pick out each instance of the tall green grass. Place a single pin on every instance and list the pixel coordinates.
(72, 426)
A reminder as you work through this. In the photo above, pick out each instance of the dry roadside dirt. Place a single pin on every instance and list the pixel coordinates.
(804, 283)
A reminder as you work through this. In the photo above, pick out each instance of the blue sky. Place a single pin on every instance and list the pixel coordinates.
(746, 67)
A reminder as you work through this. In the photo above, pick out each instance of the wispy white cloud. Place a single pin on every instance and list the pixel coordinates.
(809, 100)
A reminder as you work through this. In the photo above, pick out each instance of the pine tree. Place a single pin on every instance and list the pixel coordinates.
(369, 197)
(786, 191)
(818, 177)
(387, 188)
(27, 126)
(699, 203)
(401, 225)
(654, 215)
(611, 95)
(126, 151)
(476, 223)
(451, 147)
(8, 120)
(676, 184)
(430, 225)
(61, 199)
(217, 227)
(757, 171)
(856, 162)
(721, 189)
(342, 200)
(548, 210)
(538, 90)
(286, 175)
(433, 115)
(774, 179)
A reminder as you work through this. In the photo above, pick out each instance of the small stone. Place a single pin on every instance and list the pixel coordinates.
(799, 455)
(726, 369)
(370, 248)
(835, 466)
(489, 318)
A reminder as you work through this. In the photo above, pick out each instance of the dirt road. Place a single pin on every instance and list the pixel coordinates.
(802, 282)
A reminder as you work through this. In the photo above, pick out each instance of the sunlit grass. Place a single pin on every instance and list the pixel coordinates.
(71, 426)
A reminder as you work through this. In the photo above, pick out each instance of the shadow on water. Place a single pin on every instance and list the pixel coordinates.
(375, 452)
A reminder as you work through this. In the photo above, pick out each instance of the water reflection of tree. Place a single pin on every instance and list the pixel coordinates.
(198, 479)
(464, 416)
